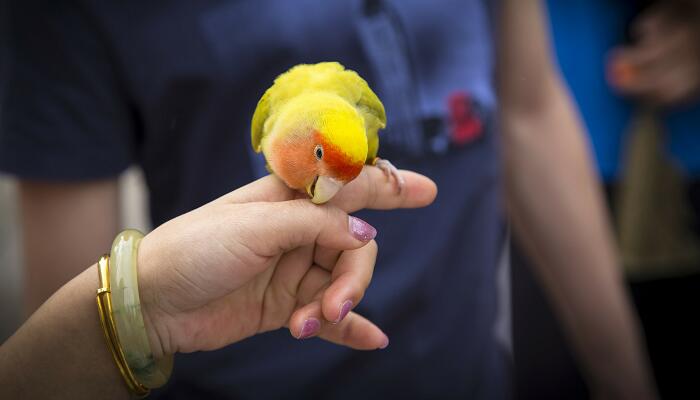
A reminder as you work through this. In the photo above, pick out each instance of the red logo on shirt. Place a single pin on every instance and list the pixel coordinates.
(465, 123)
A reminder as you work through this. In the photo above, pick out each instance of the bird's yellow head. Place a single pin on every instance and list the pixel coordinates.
(321, 145)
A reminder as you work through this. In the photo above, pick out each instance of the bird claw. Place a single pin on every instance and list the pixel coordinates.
(390, 170)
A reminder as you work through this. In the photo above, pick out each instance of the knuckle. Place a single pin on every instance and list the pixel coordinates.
(332, 213)
(359, 293)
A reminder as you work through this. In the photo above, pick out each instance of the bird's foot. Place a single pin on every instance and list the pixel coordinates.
(389, 170)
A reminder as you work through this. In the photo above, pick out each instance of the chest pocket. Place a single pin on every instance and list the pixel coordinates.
(433, 62)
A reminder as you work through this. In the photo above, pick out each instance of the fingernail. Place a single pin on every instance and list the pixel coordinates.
(310, 328)
(361, 230)
(385, 343)
(344, 310)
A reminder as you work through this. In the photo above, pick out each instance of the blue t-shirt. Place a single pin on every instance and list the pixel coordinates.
(584, 32)
(97, 86)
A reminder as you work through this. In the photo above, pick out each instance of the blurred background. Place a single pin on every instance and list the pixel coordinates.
(10, 264)
(134, 214)
(633, 69)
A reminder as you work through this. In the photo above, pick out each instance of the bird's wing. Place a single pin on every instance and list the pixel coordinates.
(262, 111)
(372, 111)
(370, 108)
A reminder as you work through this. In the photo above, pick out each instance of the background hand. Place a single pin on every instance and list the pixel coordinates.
(662, 67)
(261, 258)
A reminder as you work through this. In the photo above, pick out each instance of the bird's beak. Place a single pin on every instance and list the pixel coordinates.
(323, 189)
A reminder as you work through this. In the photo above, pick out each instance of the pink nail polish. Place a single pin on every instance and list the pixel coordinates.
(344, 310)
(361, 230)
(310, 328)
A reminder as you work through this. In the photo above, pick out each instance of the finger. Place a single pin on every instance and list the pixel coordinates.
(273, 228)
(312, 285)
(633, 71)
(354, 331)
(372, 190)
(349, 281)
(661, 51)
(649, 25)
(672, 84)
(292, 268)
(326, 258)
(637, 72)
(305, 322)
(634, 68)
(371, 185)
(674, 87)
(621, 73)
(682, 91)
(268, 188)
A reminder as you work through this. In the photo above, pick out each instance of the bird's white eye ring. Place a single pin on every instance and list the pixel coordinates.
(318, 152)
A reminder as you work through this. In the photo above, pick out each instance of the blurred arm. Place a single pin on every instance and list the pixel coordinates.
(557, 209)
(65, 227)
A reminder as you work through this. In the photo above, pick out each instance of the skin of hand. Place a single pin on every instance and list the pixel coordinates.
(662, 66)
(556, 209)
(261, 258)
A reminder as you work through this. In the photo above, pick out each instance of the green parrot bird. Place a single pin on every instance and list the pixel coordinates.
(317, 126)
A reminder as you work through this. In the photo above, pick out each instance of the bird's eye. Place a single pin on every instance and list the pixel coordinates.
(318, 151)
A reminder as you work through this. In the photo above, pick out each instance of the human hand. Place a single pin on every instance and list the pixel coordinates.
(261, 258)
(662, 67)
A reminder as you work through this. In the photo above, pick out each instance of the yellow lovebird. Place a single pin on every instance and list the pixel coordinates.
(317, 126)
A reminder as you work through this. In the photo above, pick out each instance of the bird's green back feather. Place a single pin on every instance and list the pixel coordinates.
(261, 114)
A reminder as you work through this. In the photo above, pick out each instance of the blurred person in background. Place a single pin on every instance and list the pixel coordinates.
(634, 70)
(96, 87)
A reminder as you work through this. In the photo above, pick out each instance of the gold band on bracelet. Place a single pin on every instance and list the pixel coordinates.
(104, 306)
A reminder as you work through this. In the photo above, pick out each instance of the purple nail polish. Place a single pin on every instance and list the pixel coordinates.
(310, 328)
(361, 230)
(344, 310)
(385, 344)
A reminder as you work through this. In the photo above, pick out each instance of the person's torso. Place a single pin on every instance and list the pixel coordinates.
(195, 71)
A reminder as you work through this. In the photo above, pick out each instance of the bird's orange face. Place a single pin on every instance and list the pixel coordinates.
(318, 144)
(315, 164)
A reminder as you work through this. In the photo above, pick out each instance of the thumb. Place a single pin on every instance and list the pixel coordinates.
(290, 224)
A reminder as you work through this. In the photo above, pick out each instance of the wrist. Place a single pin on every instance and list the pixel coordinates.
(154, 318)
(137, 342)
(156, 338)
